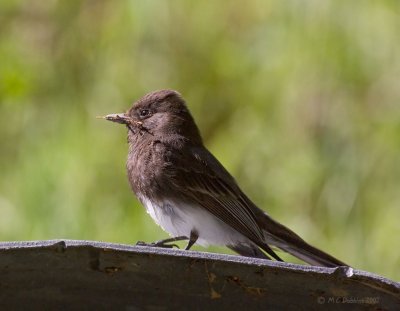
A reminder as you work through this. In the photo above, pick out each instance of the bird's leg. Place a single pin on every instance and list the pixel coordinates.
(193, 238)
(164, 243)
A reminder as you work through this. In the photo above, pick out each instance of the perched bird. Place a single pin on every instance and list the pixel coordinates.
(188, 192)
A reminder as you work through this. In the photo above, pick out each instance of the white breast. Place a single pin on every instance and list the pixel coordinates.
(180, 220)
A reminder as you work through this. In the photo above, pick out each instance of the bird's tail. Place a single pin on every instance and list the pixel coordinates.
(282, 237)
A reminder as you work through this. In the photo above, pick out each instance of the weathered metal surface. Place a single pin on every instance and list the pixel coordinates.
(65, 274)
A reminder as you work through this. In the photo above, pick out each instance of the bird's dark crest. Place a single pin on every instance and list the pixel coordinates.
(159, 96)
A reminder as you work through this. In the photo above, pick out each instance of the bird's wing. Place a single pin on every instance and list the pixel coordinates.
(202, 179)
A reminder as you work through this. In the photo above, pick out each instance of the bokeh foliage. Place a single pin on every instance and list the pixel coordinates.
(298, 99)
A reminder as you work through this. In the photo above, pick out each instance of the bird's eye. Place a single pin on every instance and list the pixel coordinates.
(144, 113)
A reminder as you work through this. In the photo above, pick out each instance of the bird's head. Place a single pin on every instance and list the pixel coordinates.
(161, 114)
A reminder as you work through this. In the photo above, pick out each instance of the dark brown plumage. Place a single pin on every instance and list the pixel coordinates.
(189, 193)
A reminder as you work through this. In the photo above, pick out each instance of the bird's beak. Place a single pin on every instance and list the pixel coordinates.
(118, 117)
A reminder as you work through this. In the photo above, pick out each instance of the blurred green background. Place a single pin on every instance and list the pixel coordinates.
(298, 99)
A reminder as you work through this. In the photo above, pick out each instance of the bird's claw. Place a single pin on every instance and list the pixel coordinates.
(157, 244)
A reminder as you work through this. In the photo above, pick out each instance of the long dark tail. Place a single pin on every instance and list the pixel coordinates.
(282, 237)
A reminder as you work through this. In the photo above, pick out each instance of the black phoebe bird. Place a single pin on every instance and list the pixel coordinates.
(190, 194)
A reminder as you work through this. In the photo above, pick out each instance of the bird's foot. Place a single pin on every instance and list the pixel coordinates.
(163, 243)
(156, 244)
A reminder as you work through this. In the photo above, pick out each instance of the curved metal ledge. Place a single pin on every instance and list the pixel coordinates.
(67, 274)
